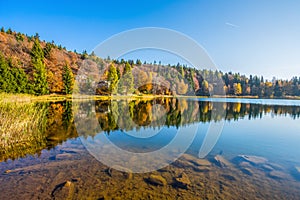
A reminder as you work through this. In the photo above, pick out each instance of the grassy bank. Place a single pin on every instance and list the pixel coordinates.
(56, 97)
(21, 126)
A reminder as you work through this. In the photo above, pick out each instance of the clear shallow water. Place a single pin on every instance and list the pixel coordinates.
(62, 167)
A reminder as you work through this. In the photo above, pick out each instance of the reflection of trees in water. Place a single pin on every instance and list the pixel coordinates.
(127, 115)
(56, 125)
(60, 126)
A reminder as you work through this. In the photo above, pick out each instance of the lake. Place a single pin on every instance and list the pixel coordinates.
(161, 148)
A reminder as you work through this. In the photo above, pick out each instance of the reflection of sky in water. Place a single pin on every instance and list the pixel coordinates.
(160, 138)
(276, 138)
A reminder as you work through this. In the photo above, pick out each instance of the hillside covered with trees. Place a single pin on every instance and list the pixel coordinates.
(29, 65)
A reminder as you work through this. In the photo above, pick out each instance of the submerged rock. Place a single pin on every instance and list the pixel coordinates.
(229, 177)
(124, 174)
(222, 162)
(202, 168)
(157, 180)
(247, 171)
(255, 160)
(267, 167)
(182, 181)
(63, 156)
(276, 166)
(196, 161)
(296, 173)
(277, 175)
(202, 162)
(63, 191)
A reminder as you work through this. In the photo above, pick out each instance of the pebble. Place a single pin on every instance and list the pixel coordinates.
(157, 180)
(183, 181)
(222, 162)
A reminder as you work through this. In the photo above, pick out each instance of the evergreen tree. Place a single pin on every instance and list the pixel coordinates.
(126, 83)
(4, 75)
(21, 80)
(118, 73)
(112, 78)
(278, 90)
(12, 79)
(68, 79)
(40, 73)
(138, 62)
(9, 31)
(47, 49)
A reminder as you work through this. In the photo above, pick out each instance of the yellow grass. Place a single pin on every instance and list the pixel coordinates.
(21, 125)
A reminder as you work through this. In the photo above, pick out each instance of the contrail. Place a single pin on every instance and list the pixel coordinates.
(232, 25)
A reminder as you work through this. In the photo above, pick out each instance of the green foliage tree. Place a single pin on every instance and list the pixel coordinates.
(68, 79)
(278, 91)
(5, 75)
(40, 72)
(47, 49)
(84, 55)
(205, 88)
(19, 36)
(12, 79)
(112, 78)
(138, 62)
(9, 31)
(126, 83)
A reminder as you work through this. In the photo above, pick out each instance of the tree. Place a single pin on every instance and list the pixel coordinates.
(112, 78)
(126, 83)
(204, 90)
(21, 80)
(278, 91)
(138, 62)
(84, 55)
(9, 31)
(68, 79)
(47, 49)
(40, 73)
(268, 89)
(4, 75)
(237, 88)
(12, 79)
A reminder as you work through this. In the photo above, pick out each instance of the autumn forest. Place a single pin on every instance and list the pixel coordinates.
(31, 66)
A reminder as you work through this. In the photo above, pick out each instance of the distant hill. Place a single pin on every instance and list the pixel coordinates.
(28, 65)
(16, 48)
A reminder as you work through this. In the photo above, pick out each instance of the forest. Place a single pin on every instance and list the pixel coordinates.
(31, 66)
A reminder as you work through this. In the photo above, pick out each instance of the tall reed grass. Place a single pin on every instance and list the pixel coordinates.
(22, 124)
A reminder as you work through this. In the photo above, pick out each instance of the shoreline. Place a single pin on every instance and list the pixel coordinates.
(57, 97)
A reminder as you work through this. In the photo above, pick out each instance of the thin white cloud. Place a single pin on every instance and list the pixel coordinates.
(232, 25)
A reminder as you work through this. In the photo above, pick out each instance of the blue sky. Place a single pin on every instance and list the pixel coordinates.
(249, 36)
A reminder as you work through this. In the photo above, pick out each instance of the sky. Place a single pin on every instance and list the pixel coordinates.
(260, 37)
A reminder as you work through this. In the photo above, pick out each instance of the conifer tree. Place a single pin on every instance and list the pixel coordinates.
(68, 79)
(112, 78)
(126, 84)
(40, 73)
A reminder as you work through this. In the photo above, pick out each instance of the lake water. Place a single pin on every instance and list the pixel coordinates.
(163, 148)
